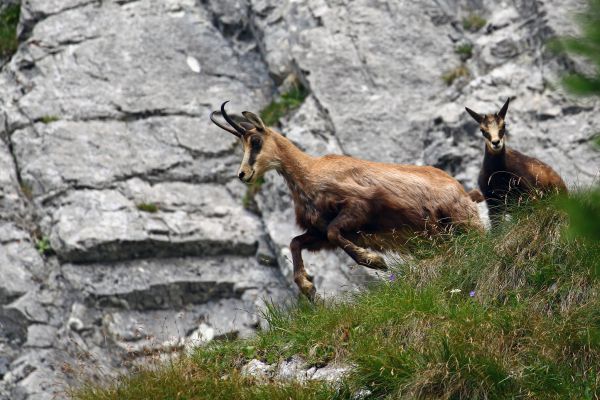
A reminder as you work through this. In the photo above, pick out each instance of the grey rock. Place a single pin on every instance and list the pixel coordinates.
(258, 370)
(10, 200)
(40, 336)
(105, 225)
(143, 332)
(331, 373)
(295, 369)
(103, 116)
(4, 364)
(171, 283)
(18, 259)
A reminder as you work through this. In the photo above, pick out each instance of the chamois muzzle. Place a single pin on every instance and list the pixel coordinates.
(239, 131)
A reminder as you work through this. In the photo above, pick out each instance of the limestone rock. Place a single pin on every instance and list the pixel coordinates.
(106, 150)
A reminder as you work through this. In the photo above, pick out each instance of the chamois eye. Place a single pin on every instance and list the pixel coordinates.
(255, 142)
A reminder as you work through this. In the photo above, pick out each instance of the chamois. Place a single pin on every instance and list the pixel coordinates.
(506, 175)
(349, 203)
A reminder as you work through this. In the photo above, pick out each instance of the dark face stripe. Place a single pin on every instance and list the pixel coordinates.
(255, 147)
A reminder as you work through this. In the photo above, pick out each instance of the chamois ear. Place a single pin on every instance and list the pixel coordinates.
(502, 113)
(254, 120)
(476, 116)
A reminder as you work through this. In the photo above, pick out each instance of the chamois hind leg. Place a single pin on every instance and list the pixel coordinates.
(348, 221)
(307, 241)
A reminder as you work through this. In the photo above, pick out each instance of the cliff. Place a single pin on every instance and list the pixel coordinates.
(122, 225)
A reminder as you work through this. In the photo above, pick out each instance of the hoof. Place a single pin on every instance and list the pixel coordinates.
(375, 261)
(311, 294)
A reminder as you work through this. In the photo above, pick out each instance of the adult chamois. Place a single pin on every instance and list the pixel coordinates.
(506, 175)
(349, 203)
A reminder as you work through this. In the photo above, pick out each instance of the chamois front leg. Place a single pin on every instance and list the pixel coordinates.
(496, 211)
(309, 241)
(348, 221)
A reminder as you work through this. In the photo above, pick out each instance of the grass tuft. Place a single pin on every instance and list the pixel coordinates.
(147, 207)
(9, 19)
(473, 22)
(514, 313)
(252, 190)
(459, 72)
(288, 101)
(48, 119)
(464, 51)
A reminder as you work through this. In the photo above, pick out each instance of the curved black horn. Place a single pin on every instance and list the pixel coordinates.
(230, 121)
(220, 125)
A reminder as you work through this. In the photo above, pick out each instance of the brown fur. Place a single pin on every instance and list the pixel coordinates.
(349, 203)
(506, 175)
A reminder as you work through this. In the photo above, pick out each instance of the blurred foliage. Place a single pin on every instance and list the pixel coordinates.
(584, 208)
(584, 213)
(9, 19)
(587, 45)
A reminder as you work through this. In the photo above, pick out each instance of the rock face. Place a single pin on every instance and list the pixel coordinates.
(122, 227)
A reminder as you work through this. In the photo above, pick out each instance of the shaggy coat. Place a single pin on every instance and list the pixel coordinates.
(349, 203)
(508, 176)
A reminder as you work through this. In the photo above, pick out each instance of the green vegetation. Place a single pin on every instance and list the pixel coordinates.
(584, 211)
(288, 101)
(248, 200)
(26, 190)
(9, 18)
(459, 72)
(587, 46)
(48, 119)
(43, 246)
(514, 313)
(147, 207)
(464, 51)
(473, 22)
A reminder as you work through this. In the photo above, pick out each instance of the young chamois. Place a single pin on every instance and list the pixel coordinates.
(506, 175)
(349, 203)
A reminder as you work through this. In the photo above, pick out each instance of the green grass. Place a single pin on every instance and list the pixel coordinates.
(252, 190)
(147, 207)
(48, 119)
(9, 18)
(511, 314)
(459, 72)
(43, 246)
(288, 101)
(464, 51)
(473, 22)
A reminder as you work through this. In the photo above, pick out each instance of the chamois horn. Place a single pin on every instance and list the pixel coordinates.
(239, 131)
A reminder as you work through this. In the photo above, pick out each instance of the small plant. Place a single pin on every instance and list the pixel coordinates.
(147, 207)
(253, 189)
(26, 191)
(9, 18)
(48, 119)
(464, 51)
(288, 101)
(459, 72)
(43, 246)
(473, 22)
